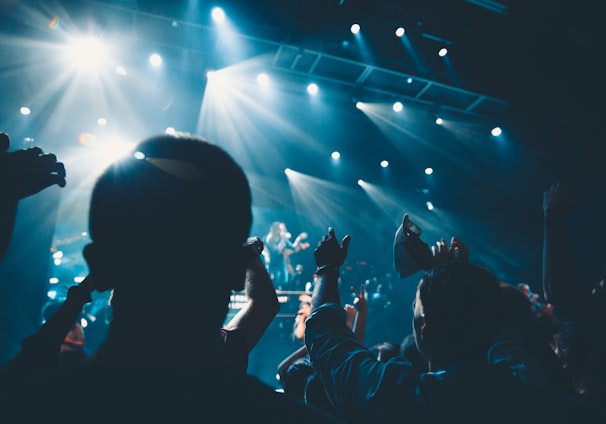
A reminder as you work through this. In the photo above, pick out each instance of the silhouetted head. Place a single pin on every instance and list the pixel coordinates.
(457, 312)
(167, 224)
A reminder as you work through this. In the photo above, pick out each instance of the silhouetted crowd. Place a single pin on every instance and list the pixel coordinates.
(478, 350)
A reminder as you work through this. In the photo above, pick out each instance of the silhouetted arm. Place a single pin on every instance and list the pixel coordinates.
(262, 306)
(23, 173)
(559, 284)
(42, 347)
(329, 256)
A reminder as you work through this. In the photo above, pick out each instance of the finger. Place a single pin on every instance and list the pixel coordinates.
(345, 243)
(58, 180)
(331, 232)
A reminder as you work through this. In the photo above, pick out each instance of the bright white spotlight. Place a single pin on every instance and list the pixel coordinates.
(52, 294)
(155, 60)
(312, 88)
(359, 105)
(288, 171)
(263, 79)
(335, 155)
(400, 31)
(53, 280)
(443, 52)
(170, 130)
(429, 205)
(101, 122)
(355, 28)
(409, 80)
(397, 106)
(384, 164)
(496, 131)
(218, 15)
(360, 182)
(87, 53)
(439, 121)
(24, 110)
(139, 155)
(428, 171)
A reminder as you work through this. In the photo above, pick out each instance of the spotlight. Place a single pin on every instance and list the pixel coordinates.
(87, 53)
(409, 80)
(335, 155)
(218, 15)
(443, 52)
(355, 28)
(139, 155)
(155, 60)
(359, 105)
(439, 121)
(262, 79)
(101, 122)
(429, 205)
(496, 131)
(384, 164)
(400, 31)
(287, 171)
(312, 88)
(360, 182)
(397, 106)
(25, 110)
(428, 171)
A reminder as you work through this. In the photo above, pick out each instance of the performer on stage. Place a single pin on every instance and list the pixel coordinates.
(278, 248)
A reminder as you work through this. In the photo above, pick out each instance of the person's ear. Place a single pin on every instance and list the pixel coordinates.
(97, 267)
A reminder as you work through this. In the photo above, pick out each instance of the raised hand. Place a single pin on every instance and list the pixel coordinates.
(329, 254)
(27, 171)
(556, 199)
(457, 251)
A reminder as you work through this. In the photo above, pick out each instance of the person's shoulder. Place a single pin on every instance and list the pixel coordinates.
(269, 405)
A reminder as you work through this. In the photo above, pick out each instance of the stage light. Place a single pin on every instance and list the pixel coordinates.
(428, 171)
(496, 131)
(359, 105)
(87, 53)
(218, 15)
(439, 121)
(355, 28)
(101, 122)
(25, 110)
(397, 106)
(52, 294)
(53, 280)
(360, 182)
(312, 88)
(170, 130)
(263, 79)
(400, 31)
(384, 164)
(335, 155)
(429, 205)
(443, 52)
(409, 80)
(288, 171)
(155, 60)
(139, 155)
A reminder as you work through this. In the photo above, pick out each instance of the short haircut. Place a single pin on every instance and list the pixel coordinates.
(463, 304)
(178, 205)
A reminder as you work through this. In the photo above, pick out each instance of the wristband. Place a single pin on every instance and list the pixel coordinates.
(325, 269)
